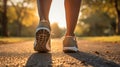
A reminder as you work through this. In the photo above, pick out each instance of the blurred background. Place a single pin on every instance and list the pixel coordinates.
(19, 18)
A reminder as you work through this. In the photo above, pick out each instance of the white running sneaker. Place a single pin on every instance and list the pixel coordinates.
(70, 44)
(42, 37)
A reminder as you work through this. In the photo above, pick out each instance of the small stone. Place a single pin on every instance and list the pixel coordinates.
(96, 52)
(107, 52)
(83, 62)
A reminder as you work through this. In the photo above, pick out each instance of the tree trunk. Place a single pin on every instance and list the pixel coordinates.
(118, 14)
(19, 28)
(4, 19)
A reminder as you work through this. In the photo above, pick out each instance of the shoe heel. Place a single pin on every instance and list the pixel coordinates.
(43, 41)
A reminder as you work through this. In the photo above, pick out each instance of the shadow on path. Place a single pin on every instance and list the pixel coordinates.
(39, 60)
(45, 60)
(95, 61)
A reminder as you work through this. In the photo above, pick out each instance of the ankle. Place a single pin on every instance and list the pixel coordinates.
(69, 34)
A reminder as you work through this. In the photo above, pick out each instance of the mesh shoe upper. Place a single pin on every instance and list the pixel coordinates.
(44, 23)
(70, 42)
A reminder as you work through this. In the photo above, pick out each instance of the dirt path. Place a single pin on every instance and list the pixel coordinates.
(90, 54)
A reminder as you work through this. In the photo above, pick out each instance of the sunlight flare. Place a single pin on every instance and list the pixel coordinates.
(57, 13)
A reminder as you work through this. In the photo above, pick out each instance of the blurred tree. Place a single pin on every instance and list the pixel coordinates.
(91, 7)
(57, 32)
(25, 12)
(4, 29)
(117, 6)
(98, 20)
(81, 29)
(100, 24)
(0, 15)
(11, 14)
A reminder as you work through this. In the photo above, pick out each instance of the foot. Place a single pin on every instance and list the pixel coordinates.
(70, 44)
(42, 37)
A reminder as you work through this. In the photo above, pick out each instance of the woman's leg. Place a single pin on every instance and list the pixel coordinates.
(72, 8)
(72, 11)
(42, 41)
(44, 8)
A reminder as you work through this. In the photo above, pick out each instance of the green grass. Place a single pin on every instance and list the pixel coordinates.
(103, 38)
(22, 39)
(5, 40)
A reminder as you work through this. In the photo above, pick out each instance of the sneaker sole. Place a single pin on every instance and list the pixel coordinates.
(70, 49)
(42, 39)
